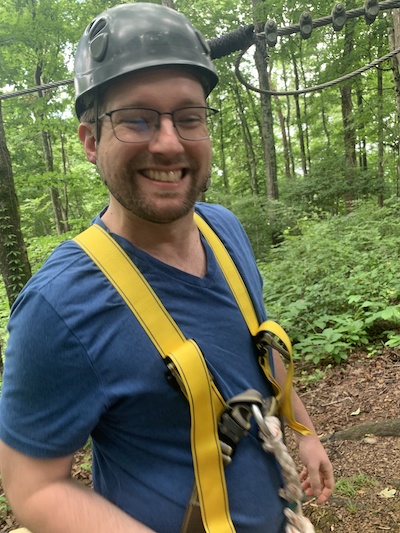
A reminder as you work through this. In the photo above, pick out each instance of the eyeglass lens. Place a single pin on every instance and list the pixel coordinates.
(139, 125)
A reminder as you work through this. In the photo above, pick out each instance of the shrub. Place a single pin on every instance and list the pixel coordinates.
(335, 286)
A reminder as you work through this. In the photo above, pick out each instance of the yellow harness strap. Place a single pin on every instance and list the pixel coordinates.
(205, 402)
(245, 304)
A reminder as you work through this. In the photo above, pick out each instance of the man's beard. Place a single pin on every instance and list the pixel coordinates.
(129, 195)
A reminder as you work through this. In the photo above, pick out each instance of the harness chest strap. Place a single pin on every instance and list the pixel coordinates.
(205, 401)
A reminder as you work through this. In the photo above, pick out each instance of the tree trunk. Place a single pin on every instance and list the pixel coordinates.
(64, 210)
(380, 173)
(267, 127)
(394, 42)
(349, 131)
(225, 179)
(349, 135)
(299, 120)
(285, 143)
(288, 119)
(266, 113)
(325, 122)
(48, 158)
(362, 157)
(14, 263)
(251, 160)
(387, 428)
(305, 121)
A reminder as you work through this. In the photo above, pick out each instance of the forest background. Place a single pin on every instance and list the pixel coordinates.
(312, 174)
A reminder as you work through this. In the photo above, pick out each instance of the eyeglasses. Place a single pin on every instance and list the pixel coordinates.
(138, 125)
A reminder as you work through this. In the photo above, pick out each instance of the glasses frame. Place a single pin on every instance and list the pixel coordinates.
(210, 113)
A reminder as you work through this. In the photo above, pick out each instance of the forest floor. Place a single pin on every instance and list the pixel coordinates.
(367, 470)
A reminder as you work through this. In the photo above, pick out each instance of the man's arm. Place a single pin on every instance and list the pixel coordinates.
(317, 475)
(46, 499)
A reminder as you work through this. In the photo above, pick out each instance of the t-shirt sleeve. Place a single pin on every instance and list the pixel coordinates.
(47, 406)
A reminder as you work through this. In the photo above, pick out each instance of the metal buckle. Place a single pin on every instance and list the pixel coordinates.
(235, 421)
(264, 341)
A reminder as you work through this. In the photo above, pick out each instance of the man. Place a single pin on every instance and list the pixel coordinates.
(80, 364)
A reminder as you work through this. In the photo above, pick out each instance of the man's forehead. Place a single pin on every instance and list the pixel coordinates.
(138, 84)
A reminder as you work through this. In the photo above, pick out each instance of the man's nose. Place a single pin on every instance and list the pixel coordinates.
(166, 137)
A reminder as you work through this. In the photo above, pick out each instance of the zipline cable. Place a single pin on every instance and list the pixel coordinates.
(44, 87)
(314, 88)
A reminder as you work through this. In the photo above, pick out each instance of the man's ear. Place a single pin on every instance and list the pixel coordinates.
(87, 136)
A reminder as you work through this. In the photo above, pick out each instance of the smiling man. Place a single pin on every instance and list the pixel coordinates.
(81, 362)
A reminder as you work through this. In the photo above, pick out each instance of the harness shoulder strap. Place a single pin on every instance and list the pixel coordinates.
(189, 363)
(245, 304)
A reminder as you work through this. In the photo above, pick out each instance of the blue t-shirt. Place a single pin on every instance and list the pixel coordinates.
(78, 363)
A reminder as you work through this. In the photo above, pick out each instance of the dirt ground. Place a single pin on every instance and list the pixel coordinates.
(367, 470)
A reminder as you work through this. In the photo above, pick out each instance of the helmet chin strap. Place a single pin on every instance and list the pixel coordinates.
(207, 184)
(97, 124)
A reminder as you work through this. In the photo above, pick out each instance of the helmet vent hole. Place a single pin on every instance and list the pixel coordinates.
(96, 27)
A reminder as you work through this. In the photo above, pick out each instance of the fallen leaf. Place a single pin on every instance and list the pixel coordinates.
(356, 412)
(387, 493)
(370, 440)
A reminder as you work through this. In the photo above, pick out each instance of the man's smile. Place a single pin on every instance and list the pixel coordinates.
(171, 176)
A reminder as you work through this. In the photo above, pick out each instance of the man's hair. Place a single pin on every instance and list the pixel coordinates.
(92, 104)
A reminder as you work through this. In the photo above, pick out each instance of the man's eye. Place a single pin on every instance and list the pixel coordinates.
(135, 123)
(190, 120)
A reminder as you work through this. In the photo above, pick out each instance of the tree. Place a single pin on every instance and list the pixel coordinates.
(394, 43)
(14, 264)
(266, 108)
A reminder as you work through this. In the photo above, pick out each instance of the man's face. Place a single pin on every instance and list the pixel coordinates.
(159, 180)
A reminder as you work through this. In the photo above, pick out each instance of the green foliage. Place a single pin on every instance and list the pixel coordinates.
(4, 312)
(317, 375)
(4, 507)
(335, 286)
(39, 248)
(333, 281)
(349, 486)
(264, 221)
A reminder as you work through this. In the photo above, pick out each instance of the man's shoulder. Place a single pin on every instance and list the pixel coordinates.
(218, 217)
(65, 260)
(216, 211)
(65, 274)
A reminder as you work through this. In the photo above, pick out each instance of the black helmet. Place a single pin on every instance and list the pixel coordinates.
(132, 37)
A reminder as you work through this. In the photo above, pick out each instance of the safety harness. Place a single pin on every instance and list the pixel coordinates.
(216, 425)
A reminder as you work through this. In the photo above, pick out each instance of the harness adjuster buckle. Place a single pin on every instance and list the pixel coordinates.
(264, 341)
(235, 421)
(172, 375)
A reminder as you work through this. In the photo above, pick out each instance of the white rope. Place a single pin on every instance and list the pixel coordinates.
(272, 441)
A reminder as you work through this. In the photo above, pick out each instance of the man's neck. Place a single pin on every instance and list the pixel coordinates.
(177, 244)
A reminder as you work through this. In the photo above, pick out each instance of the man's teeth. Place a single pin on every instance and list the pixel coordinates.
(172, 176)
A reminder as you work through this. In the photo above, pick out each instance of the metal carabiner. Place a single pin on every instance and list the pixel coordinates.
(259, 418)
